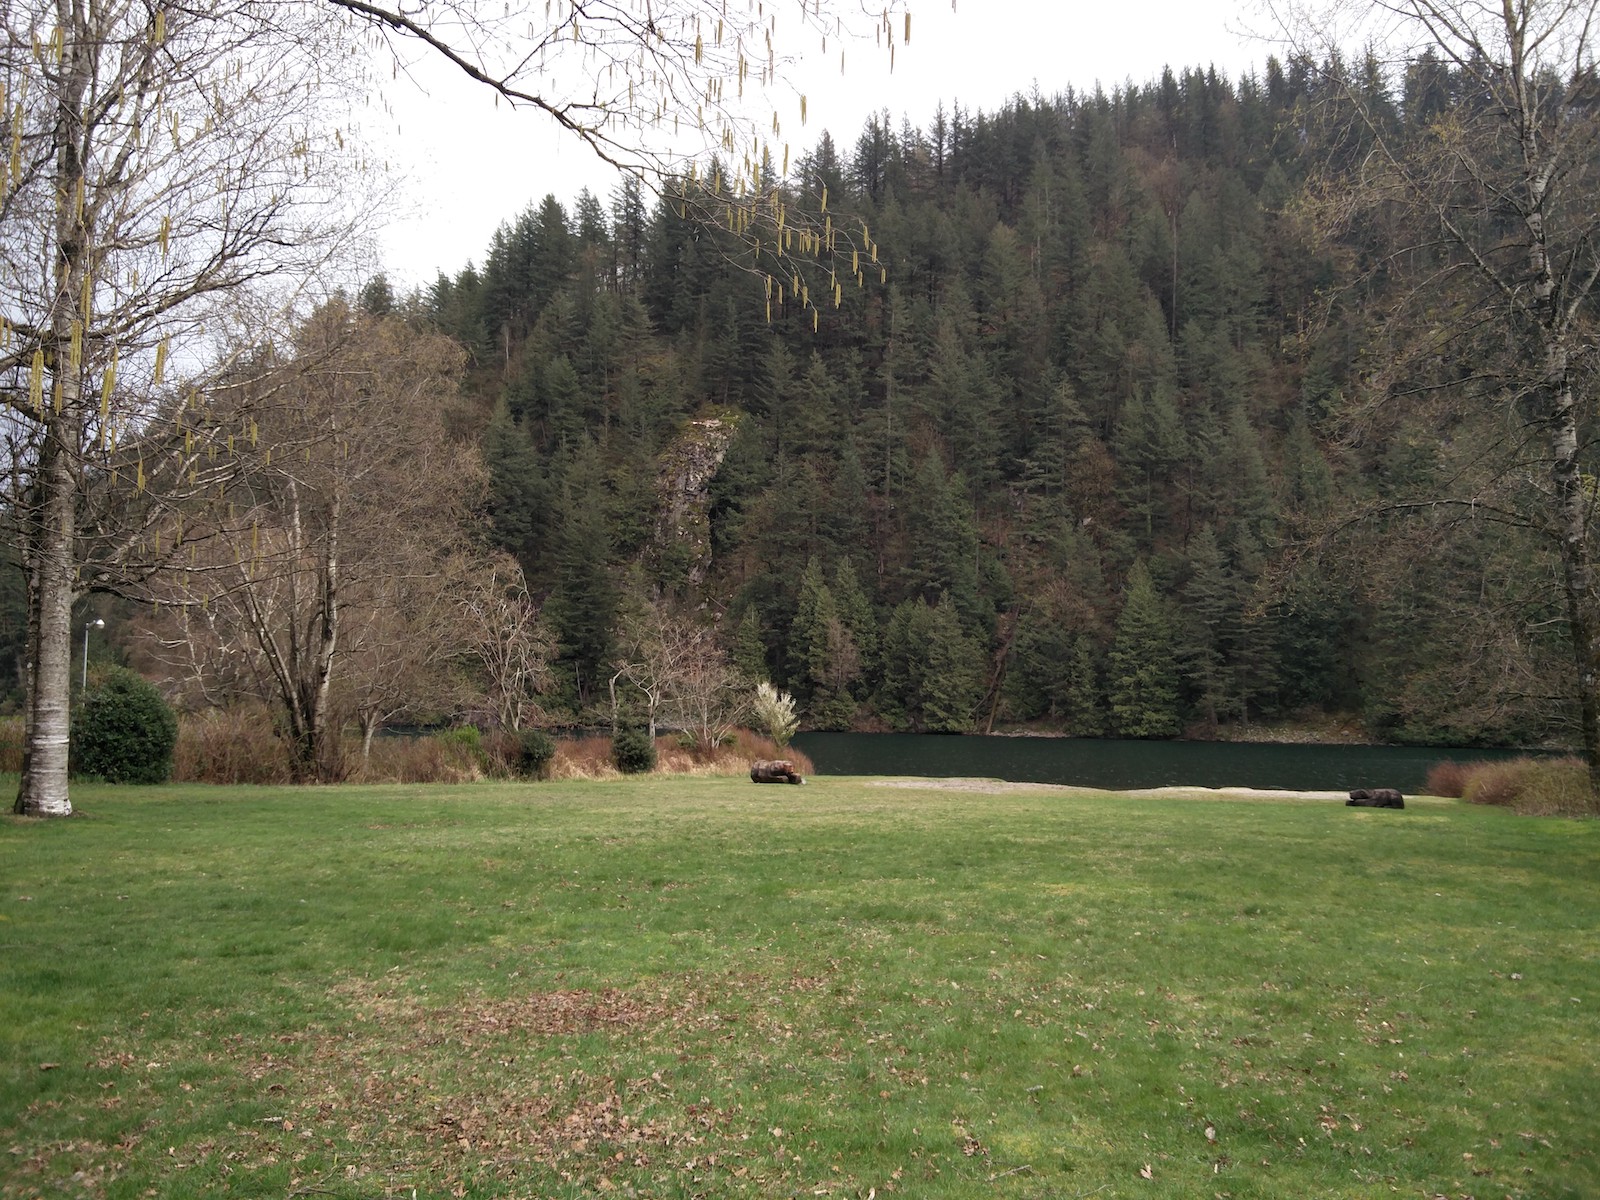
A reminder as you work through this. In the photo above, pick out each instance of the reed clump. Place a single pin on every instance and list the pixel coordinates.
(1540, 787)
(1447, 778)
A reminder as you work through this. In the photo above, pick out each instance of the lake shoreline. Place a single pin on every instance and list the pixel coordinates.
(1341, 734)
(1003, 786)
(1126, 765)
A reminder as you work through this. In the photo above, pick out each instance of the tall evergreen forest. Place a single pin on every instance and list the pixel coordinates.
(1072, 431)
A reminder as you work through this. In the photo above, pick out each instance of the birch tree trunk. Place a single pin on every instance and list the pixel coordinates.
(43, 791)
(1561, 280)
(57, 364)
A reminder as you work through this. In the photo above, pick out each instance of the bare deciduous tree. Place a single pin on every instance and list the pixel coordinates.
(709, 698)
(682, 672)
(402, 646)
(161, 160)
(350, 508)
(508, 642)
(657, 644)
(1491, 198)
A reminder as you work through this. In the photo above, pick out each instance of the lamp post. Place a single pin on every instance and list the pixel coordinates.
(97, 623)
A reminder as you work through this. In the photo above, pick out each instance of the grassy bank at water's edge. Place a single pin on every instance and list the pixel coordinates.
(700, 987)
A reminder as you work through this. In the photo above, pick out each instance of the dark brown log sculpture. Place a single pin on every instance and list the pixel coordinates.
(778, 770)
(1375, 798)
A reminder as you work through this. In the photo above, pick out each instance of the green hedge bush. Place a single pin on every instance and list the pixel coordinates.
(124, 732)
(633, 751)
(535, 750)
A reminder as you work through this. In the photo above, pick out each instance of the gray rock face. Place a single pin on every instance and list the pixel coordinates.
(683, 495)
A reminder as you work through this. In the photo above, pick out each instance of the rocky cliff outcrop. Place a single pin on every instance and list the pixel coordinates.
(681, 547)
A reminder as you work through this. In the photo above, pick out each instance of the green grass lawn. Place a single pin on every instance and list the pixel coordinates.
(690, 987)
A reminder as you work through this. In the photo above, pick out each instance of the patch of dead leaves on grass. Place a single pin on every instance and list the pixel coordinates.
(538, 1014)
(474, 1083)
(403, 1091)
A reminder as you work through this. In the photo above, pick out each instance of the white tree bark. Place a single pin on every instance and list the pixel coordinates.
(43, 791)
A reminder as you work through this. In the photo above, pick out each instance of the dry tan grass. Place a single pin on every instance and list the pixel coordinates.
(234, 745)
(1447, 779)
(239, 746)
(1537, 787)
(11, 744)
(590, 757)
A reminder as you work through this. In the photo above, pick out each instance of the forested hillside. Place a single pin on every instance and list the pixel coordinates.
(1074, 450)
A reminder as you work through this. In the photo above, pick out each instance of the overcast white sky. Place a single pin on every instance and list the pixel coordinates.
(467, 166)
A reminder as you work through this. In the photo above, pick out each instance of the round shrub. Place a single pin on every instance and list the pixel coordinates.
(535, 749)
(124, 732)
(468, 737)
(633, 751)
(1496, 783)
(1447, 779)
(462, 747)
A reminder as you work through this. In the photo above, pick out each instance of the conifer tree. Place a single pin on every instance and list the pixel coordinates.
(953, 681)
(808, 636)
(943, 538)
(552, 254)
(1143, 665)
(905, 642)
(582, 607)
(629, 221)
(1083, 703)
(749, 651)
(855, 611)
(1178, 379)
(1254, 654)
(1208, 604)
(843, 523)
(1149, 447)
(517, 495)
(825, 656)
(933, 671)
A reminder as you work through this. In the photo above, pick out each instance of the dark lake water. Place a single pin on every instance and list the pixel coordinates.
(1094, 762)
